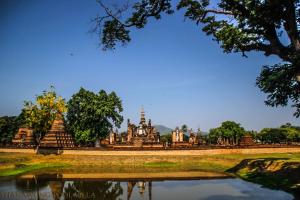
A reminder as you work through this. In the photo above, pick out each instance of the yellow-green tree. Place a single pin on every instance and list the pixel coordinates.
(39, 115)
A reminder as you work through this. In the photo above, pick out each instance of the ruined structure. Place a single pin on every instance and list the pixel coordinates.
(143, 133)
(24, 137)
(178, 139)
(57, 137)
(246, 140)
(193, 138)
(141, 185)
(111, 139)
(177, 136)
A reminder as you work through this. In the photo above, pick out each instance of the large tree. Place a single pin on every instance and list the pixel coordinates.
(238, 26)
(284, 134)
(92, 115)
(39, 115)
(272, 136)
(229, 132)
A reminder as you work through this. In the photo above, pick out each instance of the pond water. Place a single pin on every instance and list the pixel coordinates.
(55, 186)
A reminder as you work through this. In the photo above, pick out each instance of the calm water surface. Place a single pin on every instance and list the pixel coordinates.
(45, 186)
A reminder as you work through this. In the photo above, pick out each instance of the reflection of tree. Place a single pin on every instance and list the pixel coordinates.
(37, 182)
(30, 184)
(93, 190)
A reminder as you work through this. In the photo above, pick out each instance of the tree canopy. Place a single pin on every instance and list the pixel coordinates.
(39, 115)
(166, 138)
(284, 134)
(238, 26)
(92, 115)
(9, 127)
(184, 128)
(93, 190)
(229, 132)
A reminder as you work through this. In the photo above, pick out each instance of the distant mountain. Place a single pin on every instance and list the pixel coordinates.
(163, 130)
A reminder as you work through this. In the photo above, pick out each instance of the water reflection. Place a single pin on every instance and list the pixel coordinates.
(141, 185)
(93, 190)
(54, 186)
(37, 183)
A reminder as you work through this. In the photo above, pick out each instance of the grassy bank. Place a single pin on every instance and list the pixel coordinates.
(276, 173)
(23, 168)
(280, 171)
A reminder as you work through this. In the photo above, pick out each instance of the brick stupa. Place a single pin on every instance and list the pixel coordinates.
(247, 140)
(57, 137)
(24, 137)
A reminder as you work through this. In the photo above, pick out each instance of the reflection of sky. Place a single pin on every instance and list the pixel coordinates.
(195, 189)
(207, 189)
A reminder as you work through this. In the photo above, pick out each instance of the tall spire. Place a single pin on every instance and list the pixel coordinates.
(143, 120)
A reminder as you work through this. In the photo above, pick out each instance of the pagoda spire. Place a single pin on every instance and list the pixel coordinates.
(143, 120)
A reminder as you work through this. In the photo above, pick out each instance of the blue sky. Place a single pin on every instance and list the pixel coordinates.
(171, 68)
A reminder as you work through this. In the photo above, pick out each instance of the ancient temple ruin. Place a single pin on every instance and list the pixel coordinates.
(24, 137)
(177, 135)
(57, 137)
(246, 140)
(111, 139)
(143, 133)
(193, 139)
(141, 186)
(178, 138)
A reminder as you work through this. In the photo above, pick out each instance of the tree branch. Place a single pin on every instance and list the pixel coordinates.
(290, 24)
(277, 47)
(158, 7)
(114, 16)
(223, 12)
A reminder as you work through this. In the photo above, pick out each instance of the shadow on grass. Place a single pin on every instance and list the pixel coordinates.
(275, 173)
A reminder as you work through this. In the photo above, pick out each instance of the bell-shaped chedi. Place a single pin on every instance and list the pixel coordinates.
(57, 136)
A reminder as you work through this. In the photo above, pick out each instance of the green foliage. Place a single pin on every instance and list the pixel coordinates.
(184, 128)
(23, 168)
(238, 26)
(91, 116)
(271, 135)
(84, 137)
(286, 133)
(9, 127)
(40, 115)
(113, 32)
(280, 84)
(166, 138)
(229, 132)
(214, 135)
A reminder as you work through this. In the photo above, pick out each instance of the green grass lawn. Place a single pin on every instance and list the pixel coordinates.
(23, 168)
